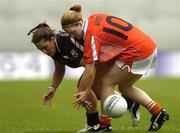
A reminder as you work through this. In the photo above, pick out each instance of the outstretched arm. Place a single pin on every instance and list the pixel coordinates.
(58, 75)
(56, 80)
(85, 85)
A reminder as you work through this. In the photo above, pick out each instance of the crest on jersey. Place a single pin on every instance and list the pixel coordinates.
(74, 53)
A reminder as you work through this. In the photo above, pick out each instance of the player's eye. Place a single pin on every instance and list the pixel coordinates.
(43, 48)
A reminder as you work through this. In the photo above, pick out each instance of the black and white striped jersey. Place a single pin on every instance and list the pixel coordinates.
(69, 51)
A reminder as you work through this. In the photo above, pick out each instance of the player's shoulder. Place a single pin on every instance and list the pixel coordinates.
(97, 19)
(63, 38)
(98, 15)
(62, 33)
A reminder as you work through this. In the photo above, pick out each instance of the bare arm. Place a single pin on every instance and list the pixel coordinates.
(85, 85)
(58, 75)
(87, 78)
(56, 80)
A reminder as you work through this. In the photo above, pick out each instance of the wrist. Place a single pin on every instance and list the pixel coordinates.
(51, 89)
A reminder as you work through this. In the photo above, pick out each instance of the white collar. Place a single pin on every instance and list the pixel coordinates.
(57, 45)
(84, 26)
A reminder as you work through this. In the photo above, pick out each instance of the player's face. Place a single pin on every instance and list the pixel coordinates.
(75, 31)
(47, 47)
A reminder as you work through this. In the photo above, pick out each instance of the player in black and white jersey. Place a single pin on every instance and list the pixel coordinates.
(68, 53)
(65, 50)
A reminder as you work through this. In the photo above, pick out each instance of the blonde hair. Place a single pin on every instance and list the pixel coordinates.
(71, 17)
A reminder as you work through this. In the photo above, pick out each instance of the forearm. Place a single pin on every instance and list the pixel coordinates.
(58, 76)
(56, 80)
(87, 79)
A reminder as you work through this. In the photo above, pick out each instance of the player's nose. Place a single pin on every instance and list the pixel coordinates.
(73, 36)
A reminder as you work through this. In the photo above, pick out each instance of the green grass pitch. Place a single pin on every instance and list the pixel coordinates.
(21, 109)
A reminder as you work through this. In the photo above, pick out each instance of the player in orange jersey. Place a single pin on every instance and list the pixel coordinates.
(111, 41)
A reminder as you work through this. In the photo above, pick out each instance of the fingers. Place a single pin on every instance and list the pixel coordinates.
(77, 95)
(47, 98)
(47, 101)
(79, 104)
(88, 105)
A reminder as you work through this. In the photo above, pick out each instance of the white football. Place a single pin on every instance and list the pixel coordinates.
(115, 105)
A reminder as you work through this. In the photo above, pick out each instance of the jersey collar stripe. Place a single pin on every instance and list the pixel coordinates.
(84, 26)
(93, 47)
(57, 45)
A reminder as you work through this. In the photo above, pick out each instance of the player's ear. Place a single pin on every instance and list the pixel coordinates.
(80, 23)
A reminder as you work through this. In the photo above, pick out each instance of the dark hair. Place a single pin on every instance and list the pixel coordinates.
(41, 31)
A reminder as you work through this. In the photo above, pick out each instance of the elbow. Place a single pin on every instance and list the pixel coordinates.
(59, 71)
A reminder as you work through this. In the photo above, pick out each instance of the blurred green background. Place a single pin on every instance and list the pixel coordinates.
(21, 109)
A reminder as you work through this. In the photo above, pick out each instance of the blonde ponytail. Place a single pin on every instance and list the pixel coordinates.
(76, 8)
(71, 17)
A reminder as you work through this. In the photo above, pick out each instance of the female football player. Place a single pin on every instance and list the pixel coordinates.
(109, 40)
(65, 50)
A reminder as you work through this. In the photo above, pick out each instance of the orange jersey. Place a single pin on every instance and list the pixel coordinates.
(109, 37)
